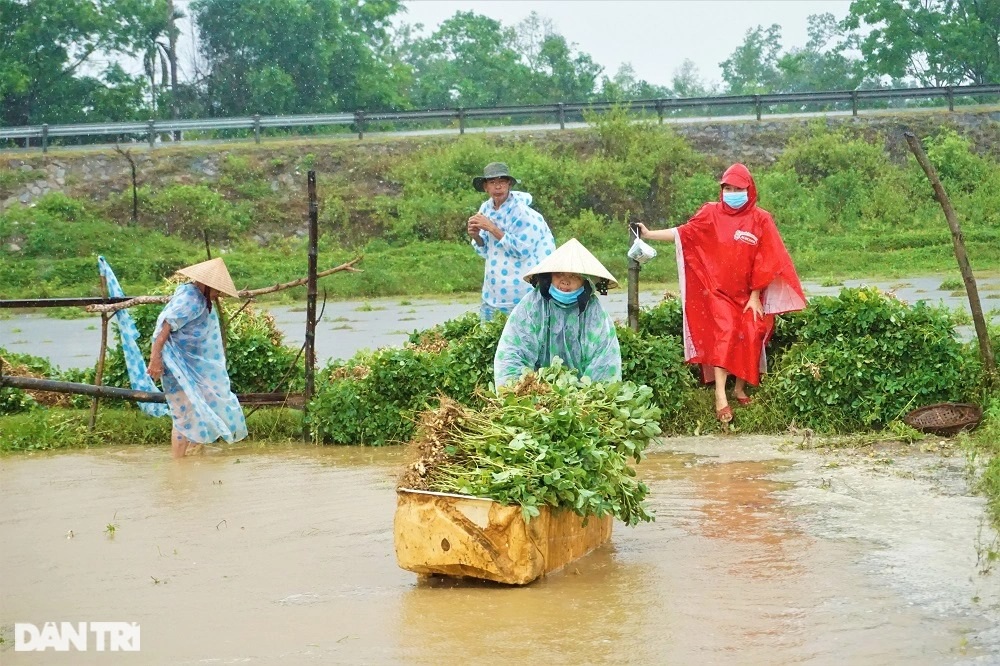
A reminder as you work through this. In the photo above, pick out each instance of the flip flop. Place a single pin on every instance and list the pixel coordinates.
(724, 415)
(744, 401)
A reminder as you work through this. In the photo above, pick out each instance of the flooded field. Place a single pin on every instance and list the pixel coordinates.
(760, 554)
(350, 326)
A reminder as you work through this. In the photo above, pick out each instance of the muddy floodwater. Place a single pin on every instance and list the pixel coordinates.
(761, 554)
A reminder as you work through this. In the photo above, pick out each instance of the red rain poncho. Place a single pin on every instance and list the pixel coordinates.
(723, 254)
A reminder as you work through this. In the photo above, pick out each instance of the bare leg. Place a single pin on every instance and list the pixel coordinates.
(178, 444)
(720, 388)
(741, 388)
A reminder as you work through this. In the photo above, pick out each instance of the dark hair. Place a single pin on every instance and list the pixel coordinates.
(204, 295)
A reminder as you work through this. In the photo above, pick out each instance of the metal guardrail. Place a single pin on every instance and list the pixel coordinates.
(759, 103)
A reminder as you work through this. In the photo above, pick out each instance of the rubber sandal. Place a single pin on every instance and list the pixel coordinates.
(744, 401)
(724, 415)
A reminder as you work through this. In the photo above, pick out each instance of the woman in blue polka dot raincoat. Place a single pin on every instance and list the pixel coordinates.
(510, 235)
(188, 358)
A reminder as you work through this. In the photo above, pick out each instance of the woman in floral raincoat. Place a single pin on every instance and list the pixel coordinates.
(561, 317)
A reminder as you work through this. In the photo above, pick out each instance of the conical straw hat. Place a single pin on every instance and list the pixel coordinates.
(572, 257)
(211, 273)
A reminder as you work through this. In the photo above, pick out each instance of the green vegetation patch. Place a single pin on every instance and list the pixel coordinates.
(550, 440)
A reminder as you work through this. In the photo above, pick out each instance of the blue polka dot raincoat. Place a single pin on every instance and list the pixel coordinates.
(526, 241)
(195, 381)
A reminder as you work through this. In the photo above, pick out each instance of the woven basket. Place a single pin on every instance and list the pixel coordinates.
(945, 418)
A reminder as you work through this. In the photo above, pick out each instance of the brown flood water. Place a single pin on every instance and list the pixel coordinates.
(286, 557)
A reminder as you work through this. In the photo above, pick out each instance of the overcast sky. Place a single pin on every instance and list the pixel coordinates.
(656, 36)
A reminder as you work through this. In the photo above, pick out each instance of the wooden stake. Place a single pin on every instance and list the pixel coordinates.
(985, 349)
(633, 283)
(310, 342)
(99, 372)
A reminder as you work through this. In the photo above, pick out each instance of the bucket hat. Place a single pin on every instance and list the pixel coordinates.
(493, 170)
(572, 257)
(212, 273)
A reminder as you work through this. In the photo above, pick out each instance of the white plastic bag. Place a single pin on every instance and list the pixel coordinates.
(641, 251)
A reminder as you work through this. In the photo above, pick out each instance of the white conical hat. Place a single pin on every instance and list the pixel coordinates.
(572, 257)
(212, 273)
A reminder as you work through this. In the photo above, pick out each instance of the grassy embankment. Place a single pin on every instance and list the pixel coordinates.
(846, 209)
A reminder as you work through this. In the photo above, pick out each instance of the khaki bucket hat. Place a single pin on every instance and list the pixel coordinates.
(212, 273)
(493, 170)
(572, 257)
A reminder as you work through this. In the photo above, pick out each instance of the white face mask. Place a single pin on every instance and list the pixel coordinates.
(564, 297)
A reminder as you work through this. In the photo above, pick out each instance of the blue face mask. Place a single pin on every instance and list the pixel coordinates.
(735, 199)
(565, 297)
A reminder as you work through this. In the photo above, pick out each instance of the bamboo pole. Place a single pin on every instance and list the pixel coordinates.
(99, 372)
(347, 266)
(245, 293)
(59, 302)
(985, 349)
(55, 386)
(76, 388)
(633, 283)
(310, 341)
(132, 302)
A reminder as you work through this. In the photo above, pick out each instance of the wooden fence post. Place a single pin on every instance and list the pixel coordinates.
(359, 122)
(985, 349)
(310, 345)
(633, 282)
(99, 372)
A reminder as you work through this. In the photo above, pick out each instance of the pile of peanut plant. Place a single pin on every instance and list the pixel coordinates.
(550, 440)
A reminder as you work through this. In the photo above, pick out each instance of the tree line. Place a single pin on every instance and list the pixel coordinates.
(64, 61)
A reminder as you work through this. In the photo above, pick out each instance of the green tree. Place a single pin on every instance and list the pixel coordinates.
(822, 65)
(156, 38)
(558, 71)
(297, 56)
(475, 61)
(752, 68)
(687, 82)
(565, 75)
(45, 48)
(626, 85)
(470, 60)
(934, 42)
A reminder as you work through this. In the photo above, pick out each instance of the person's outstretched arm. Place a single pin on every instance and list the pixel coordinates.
(660, 234)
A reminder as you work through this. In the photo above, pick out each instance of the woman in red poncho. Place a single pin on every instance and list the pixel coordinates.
(735, 275)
